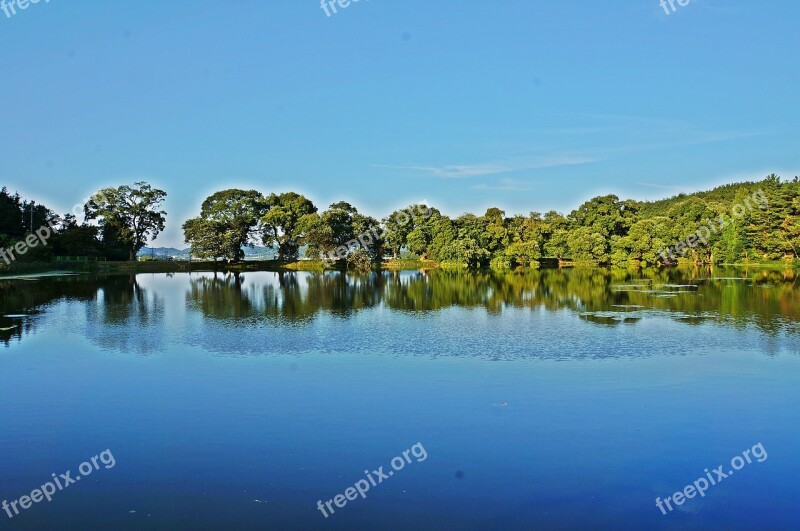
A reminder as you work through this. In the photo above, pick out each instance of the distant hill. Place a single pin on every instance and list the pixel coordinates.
(250, 253)
(163, 251)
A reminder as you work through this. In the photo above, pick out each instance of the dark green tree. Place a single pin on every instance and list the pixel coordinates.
(228, 222)
(133, 212)
(281, 223)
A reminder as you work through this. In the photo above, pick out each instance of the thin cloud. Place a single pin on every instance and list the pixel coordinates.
(457, 171)
(460, 171)
(505, 185)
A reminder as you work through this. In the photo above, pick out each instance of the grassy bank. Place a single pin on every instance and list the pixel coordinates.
(20, 269)
(153, 266)
(400, 265)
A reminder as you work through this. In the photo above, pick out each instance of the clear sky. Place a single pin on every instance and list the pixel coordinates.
(523, 104)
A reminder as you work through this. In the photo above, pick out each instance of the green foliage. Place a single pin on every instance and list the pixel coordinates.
(12, 228)
(359, 261)
(558, 244)
(281, 224)
(606, 215)
(585, 245)
(744, 221)
(730, 246)
(412, 228)
(113, 246)
(464, 250)
(18, 218)
(642, 243)
(78, 240)
(132, 211)
(339, 230)
(523, 254)
(228, 221)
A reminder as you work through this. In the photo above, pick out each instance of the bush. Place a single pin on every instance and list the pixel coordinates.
(359, 261)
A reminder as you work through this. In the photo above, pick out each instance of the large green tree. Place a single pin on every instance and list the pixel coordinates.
(77, 240)
(399, 226)
(227, 223)
(339, 230)
(642, 245)
(12, 227)
(133, 211)
(587, 245)
(281, 223)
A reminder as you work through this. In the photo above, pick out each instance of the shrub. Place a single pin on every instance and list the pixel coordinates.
(359, 261)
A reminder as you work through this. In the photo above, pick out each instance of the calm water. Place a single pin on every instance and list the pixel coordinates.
(549, 400)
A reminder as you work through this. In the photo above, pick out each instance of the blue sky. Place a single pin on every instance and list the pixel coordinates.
(523, 104)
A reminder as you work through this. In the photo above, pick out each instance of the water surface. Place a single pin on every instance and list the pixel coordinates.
(553, 399)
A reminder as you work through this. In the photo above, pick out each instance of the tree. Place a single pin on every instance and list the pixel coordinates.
(359, 261)
(646, 238)
(464, 252)
(207, 241)
(338, 224)
(133, 211)
(790, 228)
(690, 216)
(602, 230)
(729, 247)
(495, 237)
(228, 220)
(586, 245)
(280, 223)
(367, 230)
(524, 253)
(12, 228)
(77, 240)
(112, 246)
(527, 239)
(442, 231)
(557, 245)
(319, 237)
(606, 214)
(338, 228)
(763, 229)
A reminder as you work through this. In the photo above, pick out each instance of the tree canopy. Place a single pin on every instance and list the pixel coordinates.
(132, 211)
(228, 222)
(746, 221)
(281, 225)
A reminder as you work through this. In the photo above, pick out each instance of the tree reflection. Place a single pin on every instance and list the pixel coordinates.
(120, 314)
(124, 316)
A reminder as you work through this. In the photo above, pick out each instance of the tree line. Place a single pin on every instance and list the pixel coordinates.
(604, 230)
(117, 223)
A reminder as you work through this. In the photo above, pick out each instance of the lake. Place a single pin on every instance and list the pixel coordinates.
(553, 399)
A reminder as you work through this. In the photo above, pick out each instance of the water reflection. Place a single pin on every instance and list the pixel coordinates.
(125, 316)
(282, 297)
(128, 312)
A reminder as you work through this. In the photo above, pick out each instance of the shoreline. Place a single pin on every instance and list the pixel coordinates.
(44, 269)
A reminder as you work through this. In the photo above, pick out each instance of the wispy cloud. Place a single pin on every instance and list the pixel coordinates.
(505, 185)
(459, 171)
